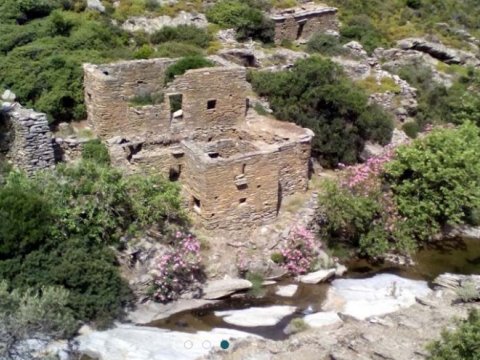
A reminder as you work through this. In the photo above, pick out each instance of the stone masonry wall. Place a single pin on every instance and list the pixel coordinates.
(31, 149)
(294, 166)
(224, 204)
(109, 88)
(303, 25)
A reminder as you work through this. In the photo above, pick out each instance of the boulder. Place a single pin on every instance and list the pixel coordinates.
(317, 276)
(455, 281)
(356, 49)
(371, 150)
(378, 295)
(287, 291)
(128, 342)
(95, 5)
(8, 96)
(151, 311)
(439, 51)
(217, 289)
(322, 319)
(256, 316)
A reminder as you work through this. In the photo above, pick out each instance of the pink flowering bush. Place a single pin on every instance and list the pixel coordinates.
(361, 210)
(299, 252)
(178, 269)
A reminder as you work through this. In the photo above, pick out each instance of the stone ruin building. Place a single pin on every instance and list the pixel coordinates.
(234, 165)
(300, 23)
(25, 138)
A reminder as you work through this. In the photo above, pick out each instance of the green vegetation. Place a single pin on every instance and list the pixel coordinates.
(43, 45)
(378, 23)
(246, 17)
(257, 289)
(60, 226)
(96, 151)
(325, 44)
(411, 128)
(316, 94)
(400, 200)
(30, 313)
(371, 85)
(460, 344)
(468, 292)
(435, 181)
(187, 63)
(187, 34)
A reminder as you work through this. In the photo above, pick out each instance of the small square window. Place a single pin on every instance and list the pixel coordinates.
(211, 104)
(242, 200)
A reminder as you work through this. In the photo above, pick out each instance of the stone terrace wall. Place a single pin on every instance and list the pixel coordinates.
(31, 148)
(298, 24)
(108, 89)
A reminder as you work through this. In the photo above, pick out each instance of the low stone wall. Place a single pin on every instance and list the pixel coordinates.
(31, 146)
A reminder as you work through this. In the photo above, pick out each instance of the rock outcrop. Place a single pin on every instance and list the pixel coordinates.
(150, 25)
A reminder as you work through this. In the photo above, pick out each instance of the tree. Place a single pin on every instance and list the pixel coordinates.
(316, 94)
(436, 180)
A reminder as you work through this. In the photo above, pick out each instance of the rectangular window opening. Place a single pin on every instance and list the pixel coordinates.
(211, 104)
(301, 25)
(213, 155)
(176, 104)
(242, 200)
(197, 206)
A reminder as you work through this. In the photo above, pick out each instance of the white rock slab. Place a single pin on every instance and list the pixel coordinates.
(287, 290)
(216, 289)
(128, 342)
(322, 319)
(256, 316)
(378, 295)
(317, 276)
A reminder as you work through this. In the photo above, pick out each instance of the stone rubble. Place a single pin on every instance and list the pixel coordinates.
(150, 25)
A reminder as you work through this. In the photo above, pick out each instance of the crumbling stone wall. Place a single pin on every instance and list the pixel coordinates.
(234, 169)
(110, 88)
(209, 97)
(30, 139)
(303, 22)
(231, 193)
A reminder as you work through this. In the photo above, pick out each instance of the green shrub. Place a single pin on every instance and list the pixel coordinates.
(316, 94)
(468, 292)
(248, 21)
(144, 52)
(183, 33)
(325, 44)
(256, 279)
(411, 128)
(27, 314)
(173, 49)
(187, 63)
(361, 28)
(96, 151)
(435, 181)
(58, 219)
(277, 257)
(460, 344)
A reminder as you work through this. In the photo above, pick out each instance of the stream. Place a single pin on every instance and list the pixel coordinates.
(460, 256)
(366, 290)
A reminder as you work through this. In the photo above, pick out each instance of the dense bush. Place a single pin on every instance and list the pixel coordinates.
(316, 94)
(27, 314)
(325, 44)
(460, 344)
(436, 180)
(187, 63)
(95, 150)
(360, 28)
(245, 17)
(411, 128)
(61, 225)
(183, 33)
